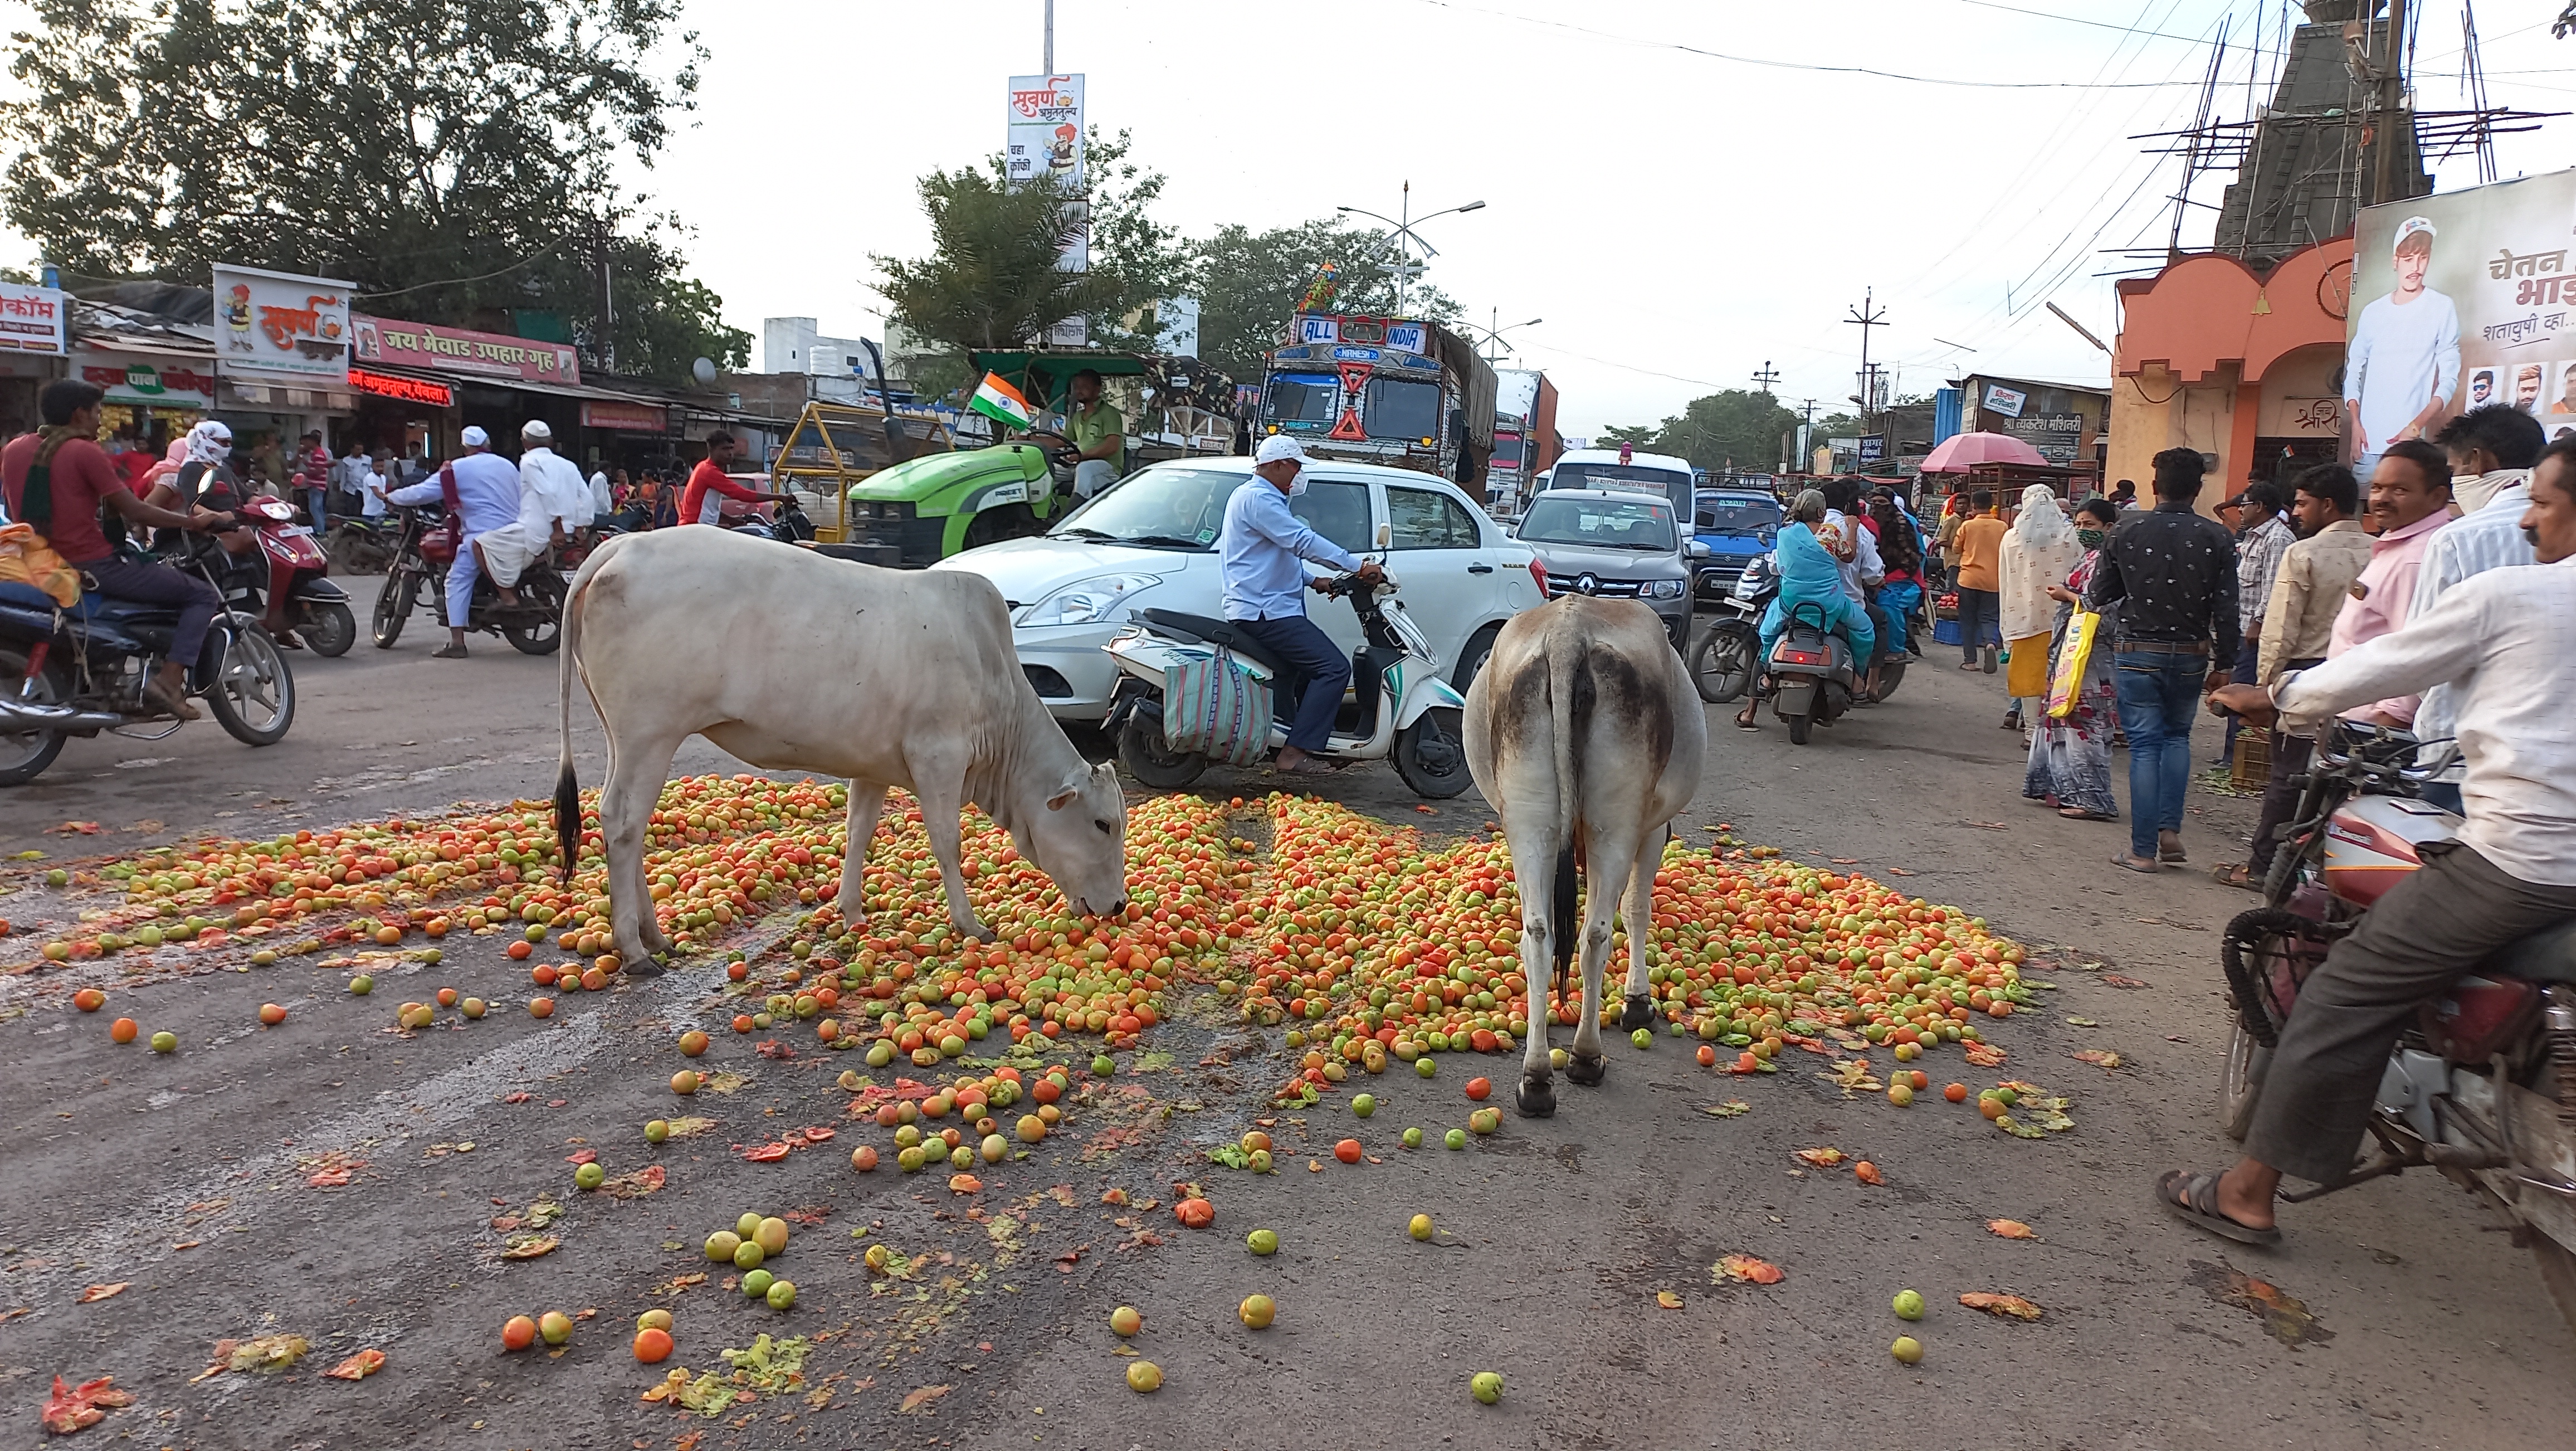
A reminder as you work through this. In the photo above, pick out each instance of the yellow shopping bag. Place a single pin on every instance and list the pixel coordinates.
(2067, 686)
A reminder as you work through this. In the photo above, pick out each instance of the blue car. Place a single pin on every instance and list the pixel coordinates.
(1738, 526)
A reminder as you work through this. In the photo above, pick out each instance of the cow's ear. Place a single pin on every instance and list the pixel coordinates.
(1071, 789)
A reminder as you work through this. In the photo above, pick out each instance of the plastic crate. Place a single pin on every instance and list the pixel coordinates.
(2253, 768)
(1945, 632)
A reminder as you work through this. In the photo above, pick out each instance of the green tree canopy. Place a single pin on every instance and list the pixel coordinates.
(1737, 430)
(1250, 284)
(450, 157)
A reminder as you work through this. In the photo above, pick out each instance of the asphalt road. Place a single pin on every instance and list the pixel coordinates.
(2421, 1326)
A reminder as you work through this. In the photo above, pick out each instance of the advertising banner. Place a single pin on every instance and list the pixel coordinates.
(140, 382)
(1043, 137)
(279, 323)
(455, 350)
(2003, 400)
(33, 319)
(625, 417)
(2459, 300)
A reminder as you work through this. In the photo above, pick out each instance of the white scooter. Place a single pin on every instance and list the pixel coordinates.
(1408, 711)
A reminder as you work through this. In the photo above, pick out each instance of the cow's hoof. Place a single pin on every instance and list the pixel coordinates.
(1587, 1069)
(1640, 1013)
(642, 967)
(1538, 1097)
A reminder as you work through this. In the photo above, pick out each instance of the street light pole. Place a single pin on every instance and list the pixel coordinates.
(1404, 238)
(1050, 38)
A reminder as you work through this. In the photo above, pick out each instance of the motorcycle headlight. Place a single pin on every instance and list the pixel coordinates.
(1664, 589)
(1088, 601)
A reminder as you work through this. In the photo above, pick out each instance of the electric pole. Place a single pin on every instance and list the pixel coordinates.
(607, 297)
(1765, 376)
(1867, 317)
(1049, 59)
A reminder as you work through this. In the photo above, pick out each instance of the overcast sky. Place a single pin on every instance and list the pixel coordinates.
(1675, 216)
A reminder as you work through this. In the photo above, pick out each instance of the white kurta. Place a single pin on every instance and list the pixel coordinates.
(552, 492)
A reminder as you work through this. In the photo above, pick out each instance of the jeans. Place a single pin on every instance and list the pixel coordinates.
(318, 503)
(1896, 600)
(1309, 687)
(2159, 698)
(159, 584)
(1981, 621)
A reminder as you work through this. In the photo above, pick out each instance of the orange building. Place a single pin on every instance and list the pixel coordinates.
(2244, 366)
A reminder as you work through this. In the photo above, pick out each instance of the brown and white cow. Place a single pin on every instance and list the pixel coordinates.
(1584, 733)
(796, 662)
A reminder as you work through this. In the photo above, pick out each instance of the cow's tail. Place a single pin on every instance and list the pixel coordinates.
(567, 782)
(1570, 697)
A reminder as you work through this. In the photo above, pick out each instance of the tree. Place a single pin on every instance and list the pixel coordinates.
(1144, 262)
(449, 157)
(1250, 283)
(1735, 430)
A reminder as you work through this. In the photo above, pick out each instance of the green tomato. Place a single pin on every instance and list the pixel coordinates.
(1413, 1138)
(589, 1176)
(1909, 1304)
(1455, 1138)
(1263, 1241)
(757, 1283)
(748, 1255)
(1104, 1065)
(1643, 1037)
(1425, 1067)
(1364, 1105)
(1487, 1387)
(782, 1295)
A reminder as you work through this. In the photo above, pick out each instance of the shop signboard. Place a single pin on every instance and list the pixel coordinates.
(409, 390)
(2057, 436)
(2459, 300)
(1044, 135)
(33, 319)
(1873, 447)
(2006, 401)
(185, 383)
(452, 350)
(279, 324)
(626, 417)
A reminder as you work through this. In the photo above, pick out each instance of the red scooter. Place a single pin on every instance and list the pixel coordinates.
(290, 566)
(2483, 1088)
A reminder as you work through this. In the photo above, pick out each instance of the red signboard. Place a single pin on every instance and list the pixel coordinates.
(387, 343)
(625, 417)
(410, 390)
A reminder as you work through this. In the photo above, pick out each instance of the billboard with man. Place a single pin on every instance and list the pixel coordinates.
(2459, 300)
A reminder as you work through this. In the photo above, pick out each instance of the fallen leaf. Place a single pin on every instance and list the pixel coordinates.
(96, 1293)
(2082, 1022)
(2116, 980)
(2011, 1305)
(2009, 1229)
(965, 1184)
(74, 828)
(359, 1366)
(914, 1402)
(2102, 1058)
(1745, 1269)
(634, 1185)
(1668, 1299)
(263, 1356)
(1852, 1076)
(1821, 1158)
(2020, 1130)
(1984, 1055)
(1732, 1108)
(75, 1408)
(682, 1128)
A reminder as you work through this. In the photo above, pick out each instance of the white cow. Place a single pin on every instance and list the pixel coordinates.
(1585, 734)
(796, 662)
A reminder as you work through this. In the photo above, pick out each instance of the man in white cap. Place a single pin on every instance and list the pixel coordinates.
(1259, 549)
(554, 500)
(487, 493)
(2404, 362)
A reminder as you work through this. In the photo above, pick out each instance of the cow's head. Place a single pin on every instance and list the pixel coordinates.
(1080, 840)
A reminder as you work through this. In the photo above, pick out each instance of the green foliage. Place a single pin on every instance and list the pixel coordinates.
(449, 157)
(991, 278)
(1250, 283)
(1737, 430)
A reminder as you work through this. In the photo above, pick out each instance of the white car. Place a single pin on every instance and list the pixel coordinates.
(1150, 541)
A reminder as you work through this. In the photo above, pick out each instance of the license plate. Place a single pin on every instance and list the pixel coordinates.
(304, 529)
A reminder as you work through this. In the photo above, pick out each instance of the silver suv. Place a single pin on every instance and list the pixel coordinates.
(1614, 544)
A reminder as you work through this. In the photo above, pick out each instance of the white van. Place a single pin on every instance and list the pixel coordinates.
(1614, 468)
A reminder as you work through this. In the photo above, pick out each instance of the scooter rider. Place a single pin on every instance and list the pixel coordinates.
(1259, 548)
(2499, 638)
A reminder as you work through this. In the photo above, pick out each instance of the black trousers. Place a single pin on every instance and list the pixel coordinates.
(2438, 923)
(2290, 757)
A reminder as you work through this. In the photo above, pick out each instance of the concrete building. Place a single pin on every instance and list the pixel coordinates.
(797, 345)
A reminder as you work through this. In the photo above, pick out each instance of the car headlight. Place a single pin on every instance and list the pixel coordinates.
(1088, 601)
(1664, 589)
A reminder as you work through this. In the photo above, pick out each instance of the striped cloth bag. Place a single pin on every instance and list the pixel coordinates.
(1217, 708)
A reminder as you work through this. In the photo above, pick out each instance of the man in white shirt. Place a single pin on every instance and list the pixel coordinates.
(372, 484)
(488, 497)
(553, 501)
(2506, 640)
(2494, 448)
(2404, 362)
(602, 504)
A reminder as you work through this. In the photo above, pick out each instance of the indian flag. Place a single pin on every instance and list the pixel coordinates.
(1001, 402)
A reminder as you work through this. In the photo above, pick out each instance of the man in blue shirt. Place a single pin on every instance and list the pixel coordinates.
(1259, 549)
(487, 495)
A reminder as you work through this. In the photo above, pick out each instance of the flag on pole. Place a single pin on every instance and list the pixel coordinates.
(1001, 402)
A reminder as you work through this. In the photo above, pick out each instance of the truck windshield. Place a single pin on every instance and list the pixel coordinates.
(1600, 523)
(1301, 398)
(1507, 451)
(1734, 514)
(1619, 476)
(1401, 409)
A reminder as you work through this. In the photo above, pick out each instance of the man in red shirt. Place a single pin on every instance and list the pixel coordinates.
(80, 480)
(312, 463)
(702, 502)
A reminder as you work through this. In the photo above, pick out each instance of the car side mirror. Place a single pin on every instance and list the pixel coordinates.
(1699, 549)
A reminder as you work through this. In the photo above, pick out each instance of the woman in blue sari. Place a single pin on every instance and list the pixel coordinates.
(1811, 586)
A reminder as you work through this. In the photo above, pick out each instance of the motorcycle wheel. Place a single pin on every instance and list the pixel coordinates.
(394, 604)
(543, 636)
(1891, 673)
(1431, 755)
(2240, 1082)
(253, 696)
(1142, 751)
(25, 755)
(1799, 725)
(1721, 662)
(330, 629)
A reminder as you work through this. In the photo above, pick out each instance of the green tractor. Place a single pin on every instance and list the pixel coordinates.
(940, 504)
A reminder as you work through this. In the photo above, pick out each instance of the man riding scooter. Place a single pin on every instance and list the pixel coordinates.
(2498, 639)
(1259, 548)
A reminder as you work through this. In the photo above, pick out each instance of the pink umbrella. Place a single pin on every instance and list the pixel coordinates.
(1962, 452)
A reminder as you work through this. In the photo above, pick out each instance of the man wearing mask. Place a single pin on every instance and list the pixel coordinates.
(2491, 451)
(486, 499)
(2500, 639)
(1259, 549)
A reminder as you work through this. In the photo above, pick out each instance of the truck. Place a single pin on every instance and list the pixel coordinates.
(1403, 392)
(1525, 438)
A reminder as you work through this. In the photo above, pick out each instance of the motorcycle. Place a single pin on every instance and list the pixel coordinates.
(361, 545)
(1721, 660)
(2483, 1088)
(288, 558)
(787, 526)
(80, 671)
(416, 581)
(1405, 709)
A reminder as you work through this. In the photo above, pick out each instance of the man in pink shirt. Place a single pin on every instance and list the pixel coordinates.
(2410, 499)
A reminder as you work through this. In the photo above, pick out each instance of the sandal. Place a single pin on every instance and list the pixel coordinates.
(2128, 863)
(1308, 767)
(2236, 875)
(2078, 813)
(1749, 719)
(2171, 852)
(448, 652)
(2193, 1198)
